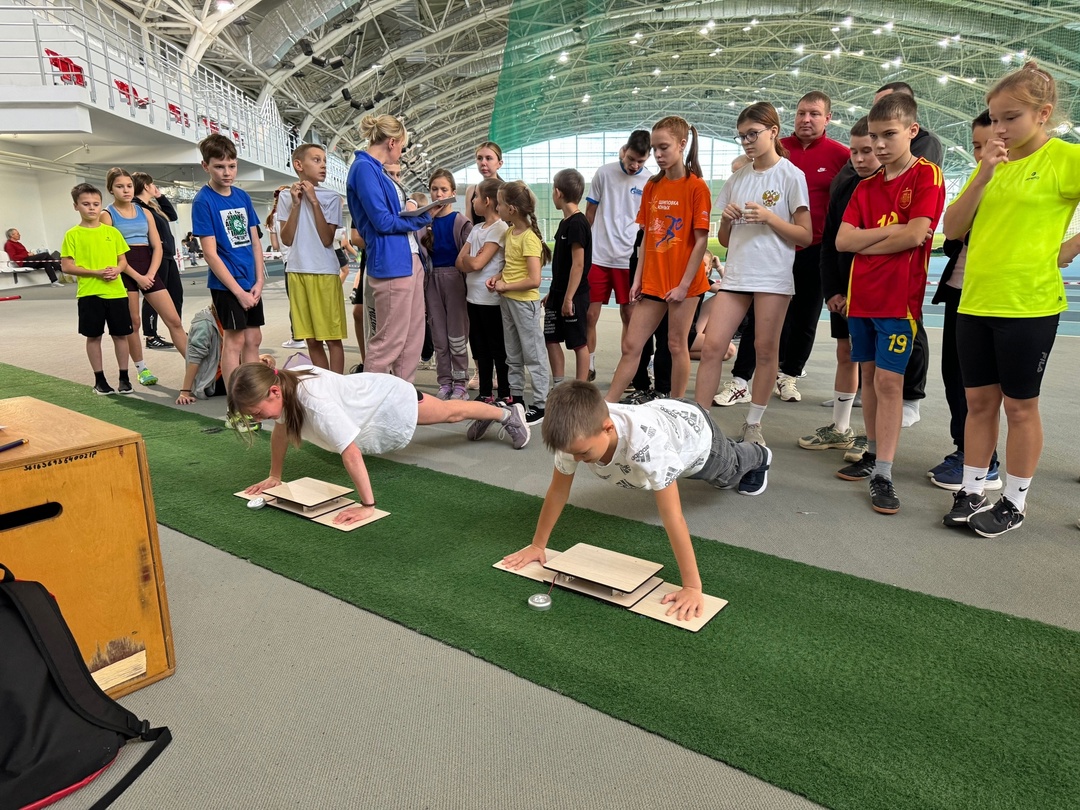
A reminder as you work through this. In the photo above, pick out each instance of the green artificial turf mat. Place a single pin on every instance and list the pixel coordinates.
(850, 692)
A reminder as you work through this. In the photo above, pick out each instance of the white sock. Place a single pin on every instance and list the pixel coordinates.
(755, 414)
(1016, 490)
(841, 409)
(140, 366)
(740, 382)
(556, 381)
(592, 361)
(974, 482)
(505, 417)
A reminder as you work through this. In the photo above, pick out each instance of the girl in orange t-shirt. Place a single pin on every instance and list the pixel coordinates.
(675, 209)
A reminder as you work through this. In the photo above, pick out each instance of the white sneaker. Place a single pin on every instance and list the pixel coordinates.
(786, 390)
(293, 344)
(752, 433)
(911, 412)
(733, 392)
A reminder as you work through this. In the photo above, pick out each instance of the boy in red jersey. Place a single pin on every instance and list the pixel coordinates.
(888, 224)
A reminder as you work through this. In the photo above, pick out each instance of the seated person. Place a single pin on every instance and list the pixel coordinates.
(202, 376)
(716, 273)
(21, 257)
(646, 446)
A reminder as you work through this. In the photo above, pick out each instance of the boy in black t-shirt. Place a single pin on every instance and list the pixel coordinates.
(567, 303)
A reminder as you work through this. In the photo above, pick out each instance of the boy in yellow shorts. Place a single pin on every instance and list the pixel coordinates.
(308, 217)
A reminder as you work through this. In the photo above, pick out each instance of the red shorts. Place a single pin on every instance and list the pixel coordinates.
(602, 280)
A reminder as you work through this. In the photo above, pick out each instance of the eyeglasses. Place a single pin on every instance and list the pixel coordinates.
(749, 137)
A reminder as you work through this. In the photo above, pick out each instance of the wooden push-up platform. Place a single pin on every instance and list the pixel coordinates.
(315, 500)
(620, 579)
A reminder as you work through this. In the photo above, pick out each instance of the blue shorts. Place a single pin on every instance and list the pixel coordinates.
(886, 342)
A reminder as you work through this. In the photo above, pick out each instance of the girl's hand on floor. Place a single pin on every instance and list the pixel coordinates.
(259, 488)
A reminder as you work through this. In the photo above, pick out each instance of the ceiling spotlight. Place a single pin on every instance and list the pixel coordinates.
(345, 94)
(350, 49)
(318, 61)
(305, 47)
(337, 62)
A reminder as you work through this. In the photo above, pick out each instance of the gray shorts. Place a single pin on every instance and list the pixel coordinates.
(728, 460)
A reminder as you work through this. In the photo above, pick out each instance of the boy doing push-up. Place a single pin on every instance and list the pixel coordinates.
(646, 446)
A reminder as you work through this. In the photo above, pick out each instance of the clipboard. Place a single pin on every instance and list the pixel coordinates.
(425, 208)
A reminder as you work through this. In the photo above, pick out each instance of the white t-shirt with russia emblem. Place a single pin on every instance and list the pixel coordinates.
(659, 442)
(758, 258)
(617, 197)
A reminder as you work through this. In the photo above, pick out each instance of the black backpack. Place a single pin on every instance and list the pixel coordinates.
(58, 729)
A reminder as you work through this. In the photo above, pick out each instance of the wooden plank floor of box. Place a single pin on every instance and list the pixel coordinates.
(77, 515)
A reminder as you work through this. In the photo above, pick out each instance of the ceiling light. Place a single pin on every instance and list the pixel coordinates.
(704, 32)
(799, 49)
(656, 72)
(666, 88)
(795, 72)
(835, 28)
(944, 43)
(896, 62)
(846, 22)
(674, 56)
(754, 21)
(345, 94)
(888, 26)
(837, 50)
(710, 24)
(731, 103)
(885, 65)
(551, 76)
(350, 49)
(585, 98)
(943, 79)
(876, 31)
(956, 38)
(318, 61)
(1006, 58)
(305, 47)
(225, 5)
(860, 53)
(747, 28)
(826, 56)
(337, 62)
(564, 57)
(851, 109)
(376, 66)
(635, 91)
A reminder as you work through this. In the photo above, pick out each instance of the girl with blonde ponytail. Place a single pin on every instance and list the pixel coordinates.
(518, 284)
(675, 209)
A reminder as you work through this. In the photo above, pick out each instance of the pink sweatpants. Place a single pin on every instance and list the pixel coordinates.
(397, 336)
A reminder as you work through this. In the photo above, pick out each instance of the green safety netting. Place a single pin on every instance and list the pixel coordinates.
(591, 66)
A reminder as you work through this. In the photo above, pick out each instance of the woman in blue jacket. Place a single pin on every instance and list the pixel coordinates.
(394, 270)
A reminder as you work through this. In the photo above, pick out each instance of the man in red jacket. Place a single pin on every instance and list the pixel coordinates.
(20, 256)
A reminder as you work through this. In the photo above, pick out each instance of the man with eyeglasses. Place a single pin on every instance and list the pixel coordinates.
(612, 207)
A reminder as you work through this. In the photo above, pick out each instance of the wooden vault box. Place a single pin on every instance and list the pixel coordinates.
(77, 515)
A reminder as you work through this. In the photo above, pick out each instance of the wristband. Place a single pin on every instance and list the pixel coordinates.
(185, 390)
(369, 505)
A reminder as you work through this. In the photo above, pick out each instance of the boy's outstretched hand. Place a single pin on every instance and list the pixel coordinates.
(519, 559)
(685, 604)
(257, 489)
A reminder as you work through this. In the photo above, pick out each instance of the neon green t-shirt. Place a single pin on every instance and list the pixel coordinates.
(96, 249)
(517, 249)
(1012, 259)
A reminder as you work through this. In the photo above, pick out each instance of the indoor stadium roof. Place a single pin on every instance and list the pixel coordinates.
(458, 71)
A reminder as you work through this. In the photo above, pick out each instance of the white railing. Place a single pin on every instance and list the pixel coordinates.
(133, 72)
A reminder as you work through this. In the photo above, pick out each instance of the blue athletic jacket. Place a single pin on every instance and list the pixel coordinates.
(375, 210)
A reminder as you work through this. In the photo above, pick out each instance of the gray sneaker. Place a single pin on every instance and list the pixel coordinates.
(752, 433)
(825, 438)
(516, 427)
(857, 449)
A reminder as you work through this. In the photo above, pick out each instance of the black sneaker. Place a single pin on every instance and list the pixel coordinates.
(882, 495)
(1002, 517)
(534, 415)
(860, 470)
(635, 398)
(124, 387)
(154, 342)
(592, 375)
(357, 369)
(104, 389)
(964, 505)
(755, 481)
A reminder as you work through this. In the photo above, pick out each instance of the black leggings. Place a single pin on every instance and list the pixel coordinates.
(170, 276)
(488, 349)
